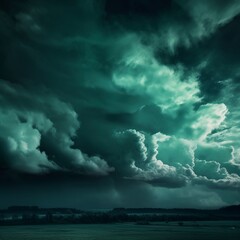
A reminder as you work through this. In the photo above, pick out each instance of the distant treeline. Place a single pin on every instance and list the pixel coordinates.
(22, 215)
(38, 210)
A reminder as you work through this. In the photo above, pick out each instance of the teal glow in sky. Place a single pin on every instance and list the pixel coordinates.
(108, 103)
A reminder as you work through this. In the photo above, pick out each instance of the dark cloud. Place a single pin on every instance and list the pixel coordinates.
(37, 132)
(141, 93)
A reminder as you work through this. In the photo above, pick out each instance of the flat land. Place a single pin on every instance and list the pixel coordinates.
(130, 231)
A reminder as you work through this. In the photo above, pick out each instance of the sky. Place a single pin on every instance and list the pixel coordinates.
(120, 103)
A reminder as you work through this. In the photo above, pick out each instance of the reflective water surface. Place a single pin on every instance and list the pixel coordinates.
(130, 231)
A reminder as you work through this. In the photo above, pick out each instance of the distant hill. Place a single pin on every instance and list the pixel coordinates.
(233, 208)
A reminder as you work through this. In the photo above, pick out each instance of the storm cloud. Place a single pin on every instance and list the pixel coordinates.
(140, 94)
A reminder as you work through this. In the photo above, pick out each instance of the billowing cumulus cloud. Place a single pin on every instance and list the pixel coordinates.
(37, 134)
(138, 160)
(141, 93)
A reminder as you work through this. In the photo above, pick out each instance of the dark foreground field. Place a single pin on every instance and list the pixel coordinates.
(167, 231)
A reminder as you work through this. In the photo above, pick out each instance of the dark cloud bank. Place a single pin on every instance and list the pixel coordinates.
(120, 103)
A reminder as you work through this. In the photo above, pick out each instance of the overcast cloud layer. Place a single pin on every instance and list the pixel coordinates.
(127, 98)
